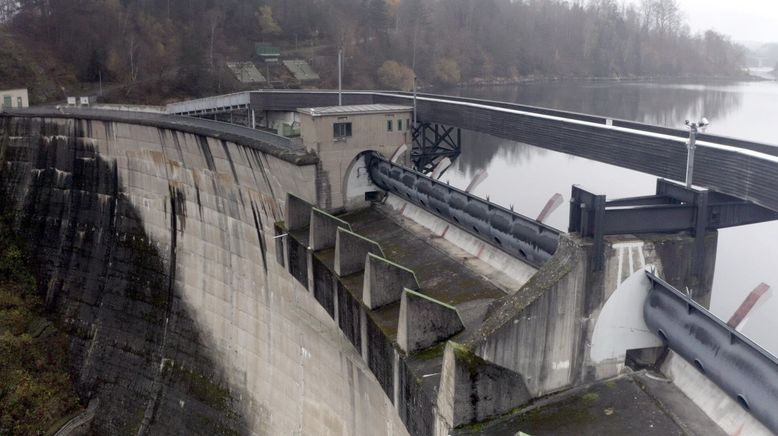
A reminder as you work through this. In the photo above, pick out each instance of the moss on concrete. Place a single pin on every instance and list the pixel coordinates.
(146, 262)
(560, 265)
(201, 387)
(433, 352)
(617, 406)
(36, 391)
(466, 356)
(133, 422)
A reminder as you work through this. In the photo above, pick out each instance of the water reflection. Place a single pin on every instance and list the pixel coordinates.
(479, 149)
(664, 104)
(526, 177)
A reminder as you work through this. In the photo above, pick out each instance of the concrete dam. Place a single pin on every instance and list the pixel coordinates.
(158, 249)
(217, 279)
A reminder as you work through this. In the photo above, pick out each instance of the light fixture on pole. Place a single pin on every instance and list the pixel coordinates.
(694, 128)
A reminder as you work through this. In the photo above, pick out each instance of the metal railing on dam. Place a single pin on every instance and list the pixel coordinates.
(743, 169)
(276, 145)
(519, 236)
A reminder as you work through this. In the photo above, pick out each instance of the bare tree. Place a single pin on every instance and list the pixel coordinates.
(8, 9)
(215, 20)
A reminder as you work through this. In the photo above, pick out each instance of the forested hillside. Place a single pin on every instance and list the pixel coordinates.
(153, 50)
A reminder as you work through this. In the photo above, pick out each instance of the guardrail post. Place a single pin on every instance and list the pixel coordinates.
(700, 228)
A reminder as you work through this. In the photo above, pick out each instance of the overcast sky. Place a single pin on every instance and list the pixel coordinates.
(743, 20)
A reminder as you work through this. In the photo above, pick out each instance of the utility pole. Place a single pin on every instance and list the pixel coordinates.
(691, 146)
(340, 76)
(414, 100)
(413, 67)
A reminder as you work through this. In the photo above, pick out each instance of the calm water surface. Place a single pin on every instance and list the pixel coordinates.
(526, 177)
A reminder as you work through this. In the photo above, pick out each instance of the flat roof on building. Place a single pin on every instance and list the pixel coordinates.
(354, 110)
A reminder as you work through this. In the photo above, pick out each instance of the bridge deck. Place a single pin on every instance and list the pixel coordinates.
(743, 169)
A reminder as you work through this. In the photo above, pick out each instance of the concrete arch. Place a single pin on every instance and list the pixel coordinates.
(357, 182)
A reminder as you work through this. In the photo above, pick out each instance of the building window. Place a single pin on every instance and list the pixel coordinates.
(341, 130)
(7, 102)
(389, 125)
(408, 123)
(399, 125)
(18, 102)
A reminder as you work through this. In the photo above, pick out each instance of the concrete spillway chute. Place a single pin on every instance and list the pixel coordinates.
(620, 325)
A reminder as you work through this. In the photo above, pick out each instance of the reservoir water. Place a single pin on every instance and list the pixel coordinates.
(526, 177)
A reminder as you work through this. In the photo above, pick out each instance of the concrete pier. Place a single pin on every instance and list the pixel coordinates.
(351, 251)
(472, 389)
(324, 229)
(385, 282)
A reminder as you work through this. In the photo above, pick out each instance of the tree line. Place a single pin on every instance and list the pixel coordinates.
(163, 48)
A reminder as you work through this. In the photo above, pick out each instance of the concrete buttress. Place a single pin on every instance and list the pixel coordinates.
(324, 229)
(425, 321)
(385, 281)
(351, 251)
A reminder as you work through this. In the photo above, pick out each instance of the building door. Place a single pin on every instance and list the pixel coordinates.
(19, 102)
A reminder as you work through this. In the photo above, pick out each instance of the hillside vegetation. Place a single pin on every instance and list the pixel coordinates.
(154, 50)
(36, 391)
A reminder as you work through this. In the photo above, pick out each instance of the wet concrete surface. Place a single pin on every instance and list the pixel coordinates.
(440, 275)
(634, 404)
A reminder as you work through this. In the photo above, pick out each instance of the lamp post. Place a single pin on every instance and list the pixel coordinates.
(691, 145)
(340, 77)
(414, 100)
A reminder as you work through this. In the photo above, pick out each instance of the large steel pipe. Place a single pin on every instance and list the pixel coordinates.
(522, 237)
(739, 367)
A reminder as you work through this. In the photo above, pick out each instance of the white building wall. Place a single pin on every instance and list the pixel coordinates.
(369, 132)
(14, 98)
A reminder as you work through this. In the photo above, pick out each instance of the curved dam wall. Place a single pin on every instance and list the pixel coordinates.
(158, 251)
